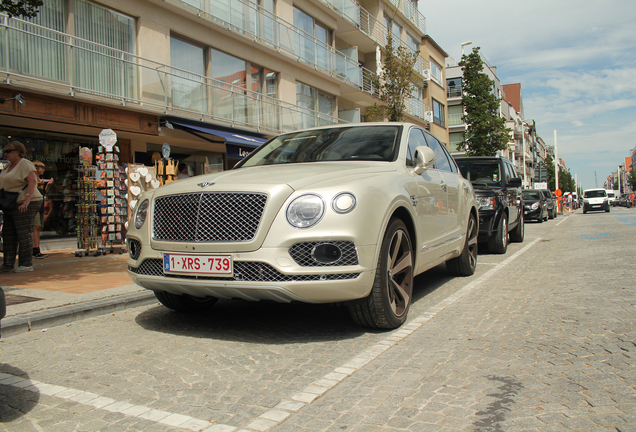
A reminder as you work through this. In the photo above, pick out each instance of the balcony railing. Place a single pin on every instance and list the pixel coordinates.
(377, 32)
(417, 108)
(409, 9)
(349, 9)
(453, 92)
(250, 20)
(64, 62)
(455, 119)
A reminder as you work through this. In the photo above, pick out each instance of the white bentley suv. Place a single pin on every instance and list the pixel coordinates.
(347, 213)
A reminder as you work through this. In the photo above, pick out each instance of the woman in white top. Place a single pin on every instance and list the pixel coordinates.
(19, 176)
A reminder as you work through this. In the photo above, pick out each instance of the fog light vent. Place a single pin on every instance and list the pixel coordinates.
(326, 253)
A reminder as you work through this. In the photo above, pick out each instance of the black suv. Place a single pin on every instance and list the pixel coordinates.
(498, 192)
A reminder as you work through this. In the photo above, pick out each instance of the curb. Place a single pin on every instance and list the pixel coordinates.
(66, 314)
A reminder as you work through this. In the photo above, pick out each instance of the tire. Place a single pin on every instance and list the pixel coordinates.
(392, 293)
(499, 242)
(551, 214)
(547, 216)
(518, 233)
(185, 302)
(465, 264)
(556, 213)
(540, 219)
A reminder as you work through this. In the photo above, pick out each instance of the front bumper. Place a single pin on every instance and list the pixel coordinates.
(264, 274)
(532, 214)
(596, 207)
(487, 225)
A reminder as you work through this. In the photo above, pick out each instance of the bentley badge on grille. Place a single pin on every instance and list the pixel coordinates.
(204, 185)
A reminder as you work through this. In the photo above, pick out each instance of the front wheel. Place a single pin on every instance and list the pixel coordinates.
(390, 299)
(466, 263)
(185, 302)
(499, 242)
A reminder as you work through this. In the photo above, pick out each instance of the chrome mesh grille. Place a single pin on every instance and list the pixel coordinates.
(301, 254)
(243, 271)
(208, 216)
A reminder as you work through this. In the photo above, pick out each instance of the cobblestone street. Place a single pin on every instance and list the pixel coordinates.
(539, 339)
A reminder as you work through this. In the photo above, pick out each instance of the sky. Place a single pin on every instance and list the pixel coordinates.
(575, 60)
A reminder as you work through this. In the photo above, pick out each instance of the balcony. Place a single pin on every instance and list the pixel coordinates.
(455, 120)
(249, 20)
(453, 92)
(417, 108)
(54, 62)
(409, 10)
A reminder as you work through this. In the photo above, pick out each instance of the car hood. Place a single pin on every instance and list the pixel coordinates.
(297, 176)
(530, 201)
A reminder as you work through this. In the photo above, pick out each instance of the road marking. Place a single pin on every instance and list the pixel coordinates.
(108, 404)
(564, 219)
(285, 408)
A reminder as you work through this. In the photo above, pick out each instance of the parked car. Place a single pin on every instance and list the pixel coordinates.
(553, 208)
(348, 213)
(498, 192)
(595, 200)
(611, 197)
(624, 201)
(535, 205)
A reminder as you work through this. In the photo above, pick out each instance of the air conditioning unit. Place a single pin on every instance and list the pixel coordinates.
(428, 116)
(426, 73)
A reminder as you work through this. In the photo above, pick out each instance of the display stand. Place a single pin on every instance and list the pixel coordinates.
(166, 170)
(87, 222)
(113, 204)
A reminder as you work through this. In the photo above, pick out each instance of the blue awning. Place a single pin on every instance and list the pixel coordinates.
(238, 145)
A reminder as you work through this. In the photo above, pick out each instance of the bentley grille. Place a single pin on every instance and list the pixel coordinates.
(208, 216)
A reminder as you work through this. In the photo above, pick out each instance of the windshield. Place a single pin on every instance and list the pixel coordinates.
(484, 172)
(547, 193)
(531, 195)
(595, 194)
(375, 143)
(610, 194)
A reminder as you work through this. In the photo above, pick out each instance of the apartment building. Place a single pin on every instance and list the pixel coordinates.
(212, 78)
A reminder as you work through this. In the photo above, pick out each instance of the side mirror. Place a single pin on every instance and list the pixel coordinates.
(514, 182)
(424, 159)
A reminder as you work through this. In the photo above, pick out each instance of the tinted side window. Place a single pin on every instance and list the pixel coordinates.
(441, 160)
(416, 139)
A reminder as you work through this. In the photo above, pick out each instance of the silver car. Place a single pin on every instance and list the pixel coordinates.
(348, 213)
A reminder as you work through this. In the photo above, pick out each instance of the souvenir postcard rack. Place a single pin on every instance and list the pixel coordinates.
(102, 205)
(87, 222)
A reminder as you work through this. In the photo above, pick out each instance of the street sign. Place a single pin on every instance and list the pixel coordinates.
(558, 192)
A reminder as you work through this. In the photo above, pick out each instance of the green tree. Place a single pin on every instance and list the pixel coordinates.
(21, 8)
(394, 83)
(631, 179)
(486, 131)
(549, 163)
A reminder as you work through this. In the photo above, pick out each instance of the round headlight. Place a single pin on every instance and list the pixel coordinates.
(141, 213)
(305, 211)
(344, 202)
(535, 206)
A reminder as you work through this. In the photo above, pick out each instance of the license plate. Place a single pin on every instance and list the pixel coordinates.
(596, 206)
(221, 265)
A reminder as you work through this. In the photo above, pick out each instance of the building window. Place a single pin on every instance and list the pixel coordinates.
(187, 79)
(453, 87)
(455, 142)
(438, 113)
(313, 44)
(436, 72)
(319, 107)
(244, 83)
(413, 43)
(455, 114)
(100, 65)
